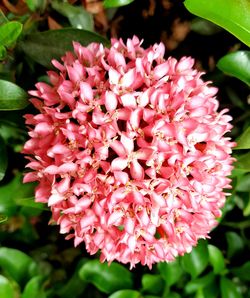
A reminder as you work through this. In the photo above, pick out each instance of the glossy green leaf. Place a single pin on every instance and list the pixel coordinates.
(42, 47)
(173, 295)
(30, 202)
(235, 244)
(9, 32)
(3, 52)
(107, 278)
(3, 158)
(243, 183)
(13, 191)
(17, 264)
(228, 289)
(126, 294)
(242, 164)
(236, 64)
(6, 288)
(243, 142)
(232, 15)
(36, 5)
(12, 97)
(34, 288)
(116, 3)
(196, 261)
(199, 283)
(78, 17)
(243, 272)
(216, 259)
(170, 272)
(246, 210)
(152, 283)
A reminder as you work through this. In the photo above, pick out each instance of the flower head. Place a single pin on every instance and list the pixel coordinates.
(129, 151)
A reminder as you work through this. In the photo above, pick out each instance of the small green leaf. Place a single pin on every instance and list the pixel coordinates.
(196, 261)
(243, 272)
(116, 3)
(242, 163)
(170, 272)
(3, 52)
(243, 185)
(9, 33)
(232, 15)
(3, 218)
(12, 97)
(235, 244)
(243, 142)
(6, 288)
(107, 278)
(30, 202)
(17, 264)
(204, 27)
(3, 159)
(78, 17)
(152, 283)
(126, 294)
(228, 289)
(42, 47)
(216, 259)
(236, 64)
(199, 283)
(34, 288)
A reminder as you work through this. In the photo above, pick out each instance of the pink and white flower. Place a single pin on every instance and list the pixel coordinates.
(129, 151)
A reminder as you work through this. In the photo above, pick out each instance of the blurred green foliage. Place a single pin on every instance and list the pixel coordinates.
(37, 263)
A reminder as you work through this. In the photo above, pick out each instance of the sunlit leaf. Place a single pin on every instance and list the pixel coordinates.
(34, 288)
(42, 47)
(230, 14)
(243, 142)
(196, 261)
(228, 289)
(107, 278)
(126, 294)
(216, 259)
(9, 32)
(6, 288)
(18, 265)
(236, 64)
(12, 97)
(78, 17)
(116, 3)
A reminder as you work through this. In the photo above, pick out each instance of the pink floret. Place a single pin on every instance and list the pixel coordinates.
(129, 151)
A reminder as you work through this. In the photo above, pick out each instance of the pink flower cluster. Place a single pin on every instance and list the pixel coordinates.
(128, 151)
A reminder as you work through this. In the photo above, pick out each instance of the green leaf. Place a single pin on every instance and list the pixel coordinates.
(78, 17)
(204, 27)
(196, 261)
(243, 272)
(243, 185)
(107, 278)
(34, 288)
(230, 14)
(152, 283)
(3, 218)
(13, 191)
(243, 142)
(125, 294)
(170, 272)
(9, 33)
(42, 47)
(12, 97)
(228, 289)
(30, 202)
(3, 52)
(236, 64)
(242, 164)
(6, 288)
(116, 3)
(199, 283)
(17, 264)
(235, 244)
(3, 159)
(216, 259)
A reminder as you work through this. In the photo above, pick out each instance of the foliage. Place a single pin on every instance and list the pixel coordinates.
(34, 259)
